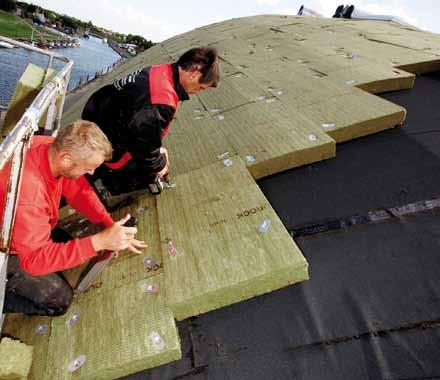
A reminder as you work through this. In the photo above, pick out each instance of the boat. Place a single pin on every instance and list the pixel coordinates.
(6, 45)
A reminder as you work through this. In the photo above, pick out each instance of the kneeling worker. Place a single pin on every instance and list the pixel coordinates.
(55, 167)
(135, 113)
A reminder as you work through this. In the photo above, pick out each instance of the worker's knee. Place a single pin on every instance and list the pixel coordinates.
(40, 300)
(56, 299)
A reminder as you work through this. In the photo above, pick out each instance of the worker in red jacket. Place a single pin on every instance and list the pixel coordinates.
(55, 167)
(135, 113)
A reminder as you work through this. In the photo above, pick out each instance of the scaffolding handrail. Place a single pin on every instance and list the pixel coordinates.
(13, 148)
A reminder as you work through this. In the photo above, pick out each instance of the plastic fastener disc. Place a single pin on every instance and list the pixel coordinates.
(77, 363)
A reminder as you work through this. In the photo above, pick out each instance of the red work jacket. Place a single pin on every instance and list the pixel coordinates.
(37, 214)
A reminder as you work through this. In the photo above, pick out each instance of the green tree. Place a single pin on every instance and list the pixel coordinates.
(8, 5)
(50, 15)
(139, 41)
(31, 8)
(69, 22)
(23, 6)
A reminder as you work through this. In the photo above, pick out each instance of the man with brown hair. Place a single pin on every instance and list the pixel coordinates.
(135, 113)
(54, 168)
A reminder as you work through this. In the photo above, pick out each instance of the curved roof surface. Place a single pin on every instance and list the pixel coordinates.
(294, 92)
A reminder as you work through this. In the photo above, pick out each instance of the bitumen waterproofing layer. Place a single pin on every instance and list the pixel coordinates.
(371, 308)
(392, 168)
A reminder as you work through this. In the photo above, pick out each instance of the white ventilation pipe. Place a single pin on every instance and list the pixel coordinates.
(307, 12)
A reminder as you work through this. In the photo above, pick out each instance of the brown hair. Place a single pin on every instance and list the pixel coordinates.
(203, 59)
(81, 139)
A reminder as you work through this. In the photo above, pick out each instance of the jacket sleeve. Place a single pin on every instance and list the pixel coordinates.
(81, 196)
(146, 127)
(38, 254)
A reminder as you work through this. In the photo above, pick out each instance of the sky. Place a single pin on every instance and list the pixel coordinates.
(162, 19)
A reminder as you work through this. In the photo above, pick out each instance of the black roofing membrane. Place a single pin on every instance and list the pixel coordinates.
(403, 355)
(375, 279)
(391, 168)
(372, 278)
(372, 305)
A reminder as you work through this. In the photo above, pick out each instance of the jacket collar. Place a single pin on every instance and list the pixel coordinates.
(46, 171)
(181, 93)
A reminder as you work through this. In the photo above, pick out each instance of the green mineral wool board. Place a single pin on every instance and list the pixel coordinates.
(357, 43)
(389, 54)
(299, 48)
(33, 331)
(191, 107)
(233, 92)
(131, 267)
(227, 68)
(214, 254)
(78, 227)
(26, 89)
(375, 78)
(422, 67)
(350, 116)
(233, 47)
(15, 359)
(301, 86)
(270, 137)
(127, 267)
(410, 39)
(188, 112)
(345, 60)
(195, 142)
(113, 331)
(155, 54)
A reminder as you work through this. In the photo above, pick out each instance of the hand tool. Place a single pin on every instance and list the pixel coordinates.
(97, 264)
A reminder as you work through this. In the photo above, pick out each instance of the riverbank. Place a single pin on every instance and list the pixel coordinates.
(91, 60)
(122, 52)
(74, 94)
(15, 27)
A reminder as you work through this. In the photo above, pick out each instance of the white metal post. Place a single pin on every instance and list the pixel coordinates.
(14, 146)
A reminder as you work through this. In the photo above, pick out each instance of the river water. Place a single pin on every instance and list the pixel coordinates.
(93, 56)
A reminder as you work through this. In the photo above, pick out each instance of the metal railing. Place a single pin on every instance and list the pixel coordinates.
(13, 149)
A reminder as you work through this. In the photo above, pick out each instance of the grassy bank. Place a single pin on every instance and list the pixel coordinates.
(13, 26)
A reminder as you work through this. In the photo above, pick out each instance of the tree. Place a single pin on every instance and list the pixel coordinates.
(69, 22)
(8, 5)
(31, 8)
(24, 8)
(139, 41)
(51, 16)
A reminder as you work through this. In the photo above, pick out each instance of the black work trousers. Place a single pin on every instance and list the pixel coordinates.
(48, 295)
(133, 176)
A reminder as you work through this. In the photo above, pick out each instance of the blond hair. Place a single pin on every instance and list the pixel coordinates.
(81, 139)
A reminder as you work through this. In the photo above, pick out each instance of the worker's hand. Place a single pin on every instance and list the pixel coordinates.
(164, 151)
(164, 172)
(118, 237)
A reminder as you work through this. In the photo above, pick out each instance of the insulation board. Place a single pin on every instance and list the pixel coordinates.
(350, 116)
(271, 138)
(35, 332)
(213, 252)
(26, 89)
(113, 333)
(130, 267)
(15, 359)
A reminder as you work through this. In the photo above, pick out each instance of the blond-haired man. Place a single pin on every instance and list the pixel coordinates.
(55, 168)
